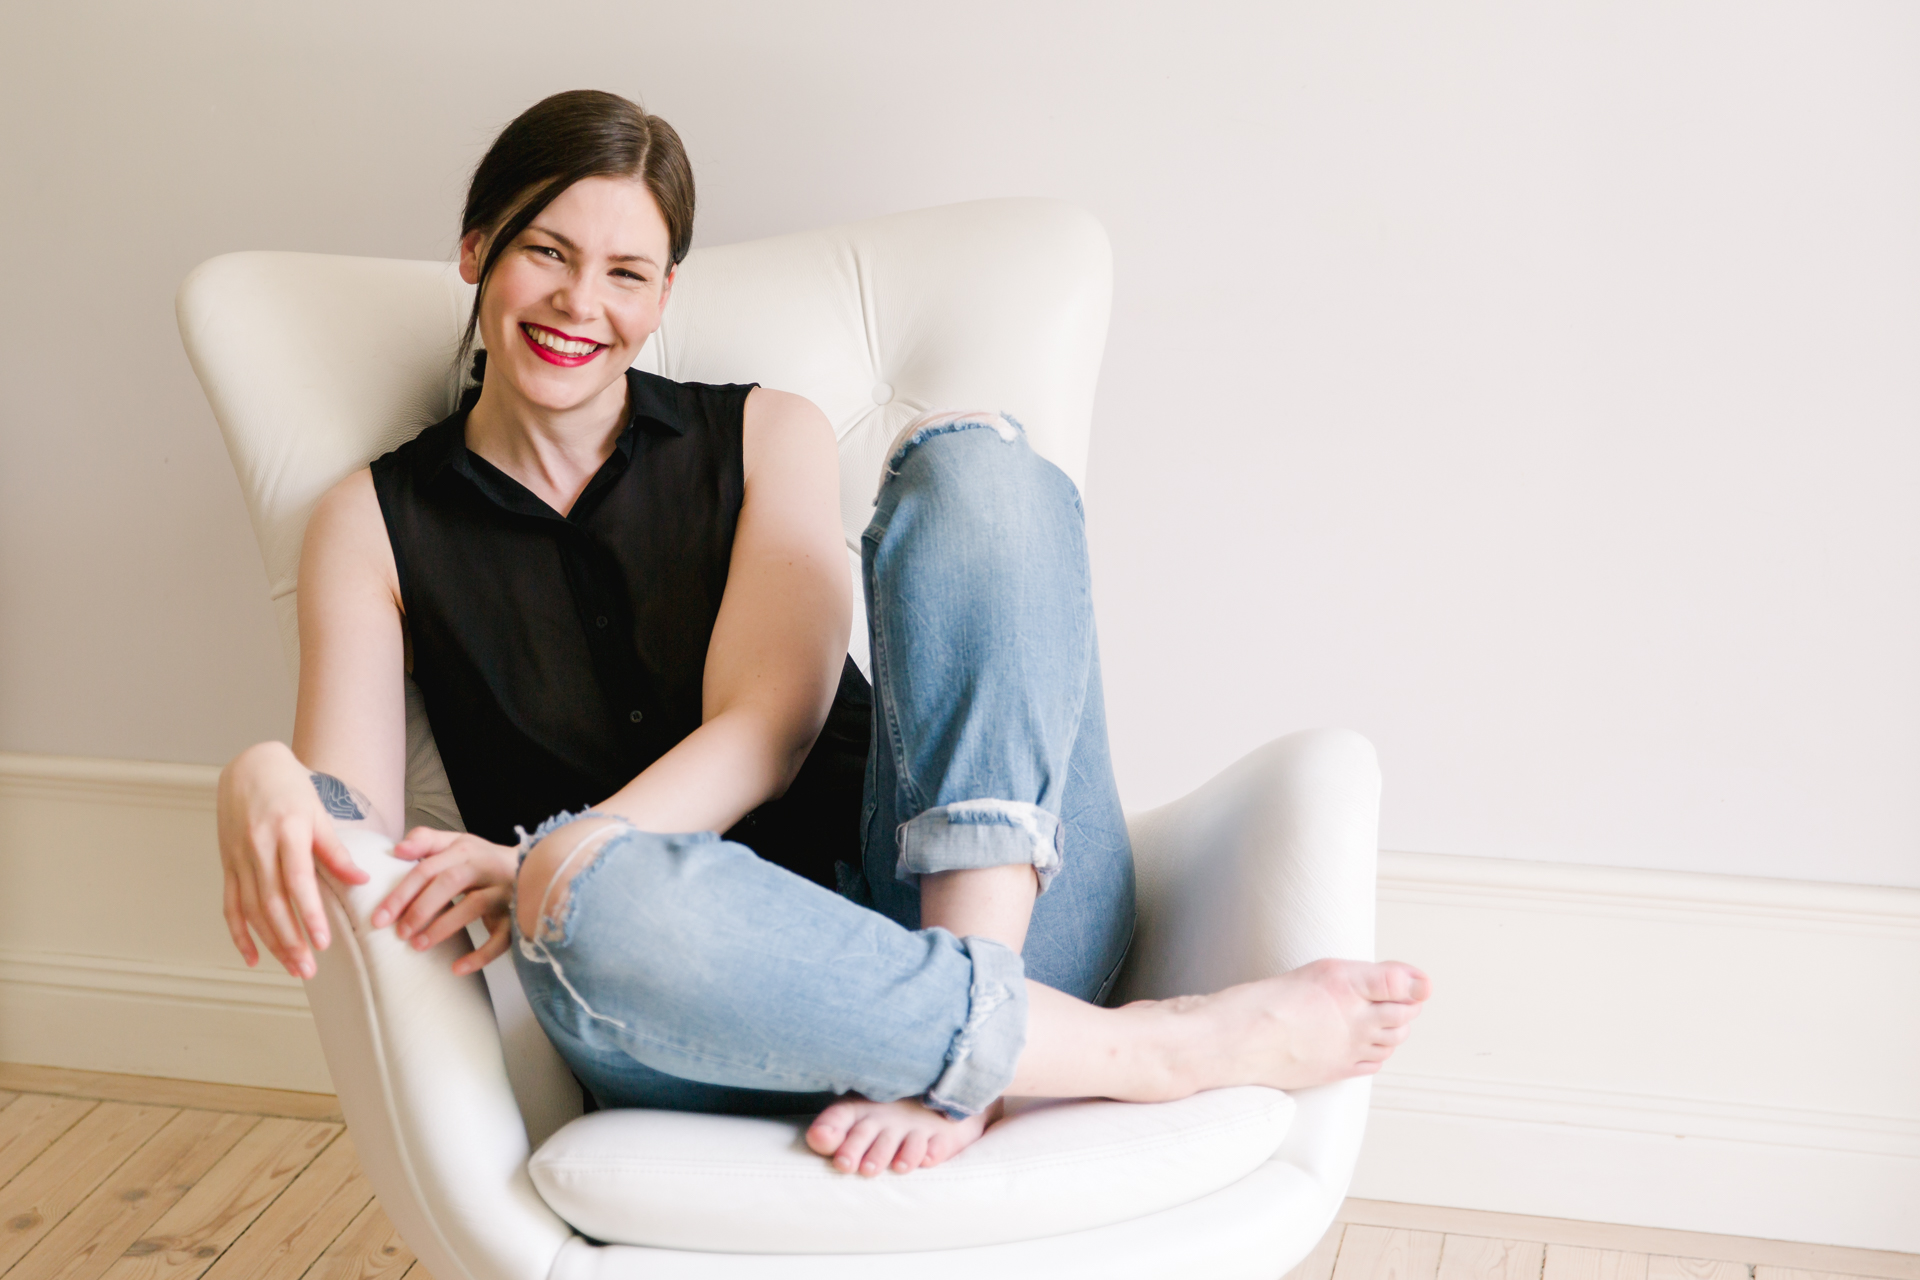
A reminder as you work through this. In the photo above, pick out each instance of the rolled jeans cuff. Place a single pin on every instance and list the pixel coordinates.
(969, 834)
(981, 1060)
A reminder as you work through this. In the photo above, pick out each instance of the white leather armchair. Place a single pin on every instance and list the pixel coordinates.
(315, 365)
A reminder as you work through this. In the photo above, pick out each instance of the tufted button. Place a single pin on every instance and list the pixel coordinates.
(882, 393)
(635, 716)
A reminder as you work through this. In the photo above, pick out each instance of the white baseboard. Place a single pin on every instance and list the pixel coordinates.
(113, 955)
(1706, 1053)
(1664, 1117)
(193, 1022)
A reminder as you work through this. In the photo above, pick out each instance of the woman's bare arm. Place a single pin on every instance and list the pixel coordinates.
(350, 721)
(280, 808)
(775, 657)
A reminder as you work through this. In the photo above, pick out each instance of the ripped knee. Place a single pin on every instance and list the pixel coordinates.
(541, 891)
(942, 422)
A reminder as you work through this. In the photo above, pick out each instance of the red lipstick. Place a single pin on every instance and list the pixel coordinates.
(554, 357)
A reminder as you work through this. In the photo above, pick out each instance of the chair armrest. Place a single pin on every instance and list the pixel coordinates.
(417, 1062)
(1268, 867)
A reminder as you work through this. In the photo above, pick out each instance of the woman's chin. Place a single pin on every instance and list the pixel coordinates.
(552, 389)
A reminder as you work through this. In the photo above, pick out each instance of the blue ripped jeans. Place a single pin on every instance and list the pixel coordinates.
(686, 973)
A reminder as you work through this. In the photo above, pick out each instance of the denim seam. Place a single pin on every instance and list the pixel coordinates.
(1113, 975)
(880, 655)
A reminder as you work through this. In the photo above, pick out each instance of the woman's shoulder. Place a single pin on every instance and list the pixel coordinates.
(348, 508)
(789, 432)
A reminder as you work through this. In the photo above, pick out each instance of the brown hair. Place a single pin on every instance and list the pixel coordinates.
(553, 144)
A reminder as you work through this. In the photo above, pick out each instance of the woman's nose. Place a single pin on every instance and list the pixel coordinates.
(576, 299)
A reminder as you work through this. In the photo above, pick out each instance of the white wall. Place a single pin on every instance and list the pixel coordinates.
(1530, 387)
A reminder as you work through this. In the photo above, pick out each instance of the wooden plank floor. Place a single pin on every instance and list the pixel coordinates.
(1374, 1240)
(106, 1177)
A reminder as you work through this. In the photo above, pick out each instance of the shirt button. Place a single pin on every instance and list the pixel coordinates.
(600, 621)
(634, 716)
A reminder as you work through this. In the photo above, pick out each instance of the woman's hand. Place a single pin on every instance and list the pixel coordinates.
(273, 825)
(422, 907)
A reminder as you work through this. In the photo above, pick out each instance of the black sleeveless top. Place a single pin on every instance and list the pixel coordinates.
(561, 655)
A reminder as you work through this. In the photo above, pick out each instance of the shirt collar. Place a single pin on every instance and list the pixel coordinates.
(651, 407)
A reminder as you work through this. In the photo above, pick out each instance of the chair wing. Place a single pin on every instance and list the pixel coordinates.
(315, 364)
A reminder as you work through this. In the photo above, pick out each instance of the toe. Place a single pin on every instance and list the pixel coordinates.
(940, 1146)
(854, 1147)
(912, 1153)
(1393, 981)
(1387, 1013)
(881, 1153)
(829, 1129)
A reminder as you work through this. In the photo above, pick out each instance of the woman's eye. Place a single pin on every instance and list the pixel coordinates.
(547, 249)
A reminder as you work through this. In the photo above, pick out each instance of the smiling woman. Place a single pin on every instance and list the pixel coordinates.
(625, 604)
(555, 144)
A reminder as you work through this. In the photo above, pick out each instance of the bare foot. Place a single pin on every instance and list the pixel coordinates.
(1330, 1020)
(902, 1136)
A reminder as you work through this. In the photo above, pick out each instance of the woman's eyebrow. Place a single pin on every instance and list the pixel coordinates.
(612, 257)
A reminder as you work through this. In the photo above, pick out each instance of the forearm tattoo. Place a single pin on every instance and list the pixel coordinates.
(338, 799)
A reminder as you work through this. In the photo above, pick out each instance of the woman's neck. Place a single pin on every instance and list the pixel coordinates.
(553, 452)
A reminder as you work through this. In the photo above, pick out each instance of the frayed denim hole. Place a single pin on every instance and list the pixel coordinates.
(927, 433)
(528, 839)
(556, 932)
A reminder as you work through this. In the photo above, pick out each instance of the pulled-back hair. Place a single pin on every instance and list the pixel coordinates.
(553, 144)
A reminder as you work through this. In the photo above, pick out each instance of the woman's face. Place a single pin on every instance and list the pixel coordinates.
(574, 296)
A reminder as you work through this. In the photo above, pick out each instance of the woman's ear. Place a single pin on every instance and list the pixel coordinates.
(666, 285)
(471, 246)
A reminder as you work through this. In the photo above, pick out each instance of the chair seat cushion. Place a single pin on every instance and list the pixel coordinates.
(738, 1184)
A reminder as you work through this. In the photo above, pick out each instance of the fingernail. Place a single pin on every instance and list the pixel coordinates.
(420, 943)
(379, 919)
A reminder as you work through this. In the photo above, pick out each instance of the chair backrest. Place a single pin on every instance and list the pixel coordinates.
(315, 365)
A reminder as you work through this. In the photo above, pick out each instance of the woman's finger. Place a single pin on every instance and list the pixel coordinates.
(331, 852)
(403, 893)
(236, 920)
(492, 949)
(296, 873)
(424, 842)
(452, 920)
(281, 934)
(262, 928)
(273, 901)
(449, 884)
